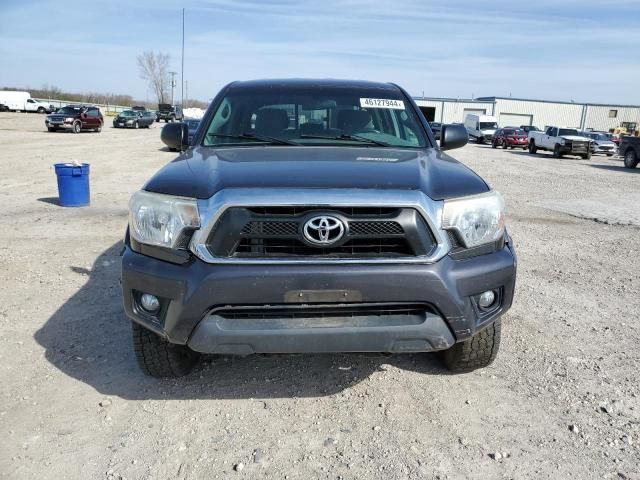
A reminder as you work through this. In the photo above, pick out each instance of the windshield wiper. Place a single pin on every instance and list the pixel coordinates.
(345, 136)
(253, 136)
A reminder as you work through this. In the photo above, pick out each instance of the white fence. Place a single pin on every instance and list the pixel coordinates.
(105, 109)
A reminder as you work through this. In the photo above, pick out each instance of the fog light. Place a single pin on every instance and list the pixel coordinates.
(150, 302)
(486, 299)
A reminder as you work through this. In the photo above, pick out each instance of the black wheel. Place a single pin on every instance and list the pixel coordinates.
(51, 129)
(556, 151)
(630, 159)
(494, 144)
(99, 129)
(609, 154)
(41, 110)
(480, 140)
(166, 120)
(586, 156)
(77, 127)
(532, 148)
(477, 352)
(505, 146)
(159, 358)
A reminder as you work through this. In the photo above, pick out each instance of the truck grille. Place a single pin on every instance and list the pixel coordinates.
(272, 232)
(322, 315)
(579, 147)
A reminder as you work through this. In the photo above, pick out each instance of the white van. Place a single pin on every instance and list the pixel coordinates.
(480, 127)
(21, 101)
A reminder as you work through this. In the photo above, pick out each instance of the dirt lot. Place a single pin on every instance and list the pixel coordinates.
(561, 401)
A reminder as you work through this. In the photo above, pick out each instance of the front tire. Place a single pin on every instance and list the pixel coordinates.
(630, 159)
(41, 110)
(477, 352)
(159, 358)
(532, 148)
(51, 129)
(480, 140)
(586, 156)
(77, 127)
(556, 151)
(494, 144)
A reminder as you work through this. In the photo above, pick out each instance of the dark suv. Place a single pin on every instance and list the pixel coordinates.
(315, 216)
(75, 118)
(168, 113)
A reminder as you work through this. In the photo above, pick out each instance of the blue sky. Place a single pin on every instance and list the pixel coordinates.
(578, 50)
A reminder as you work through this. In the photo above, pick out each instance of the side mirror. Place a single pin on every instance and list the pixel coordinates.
(453, 136)
(175, 136)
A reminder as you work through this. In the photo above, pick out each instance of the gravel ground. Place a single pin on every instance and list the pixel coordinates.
(562, 399)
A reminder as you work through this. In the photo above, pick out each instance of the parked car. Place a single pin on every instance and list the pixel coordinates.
(133, 119)
(146, 118)
(75, 118)
(529, 128)
(21, 102)
(480, 127)
(630, 151)
(168, 113)
(510, 138)
(192, 125)
(361, 236)
(561, 141)
(436, 128)
(600, 143)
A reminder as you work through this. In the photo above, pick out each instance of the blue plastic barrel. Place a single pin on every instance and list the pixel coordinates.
(73, 184)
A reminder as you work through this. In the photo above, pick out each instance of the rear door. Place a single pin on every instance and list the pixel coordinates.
(93, 118)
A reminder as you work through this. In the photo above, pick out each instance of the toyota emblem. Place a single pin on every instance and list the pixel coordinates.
(323, 230)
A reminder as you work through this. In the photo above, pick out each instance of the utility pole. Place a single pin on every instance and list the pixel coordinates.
(186, 92)
(182, 72)
(173, 84)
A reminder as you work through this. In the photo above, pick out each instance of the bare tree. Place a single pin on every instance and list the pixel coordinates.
(154, 68)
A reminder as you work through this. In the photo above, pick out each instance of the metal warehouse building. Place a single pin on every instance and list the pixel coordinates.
(520, 111)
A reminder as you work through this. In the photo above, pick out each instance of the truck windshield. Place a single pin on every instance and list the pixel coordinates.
(325, 116)
(128, 113)
(567, 131)
(488, 125)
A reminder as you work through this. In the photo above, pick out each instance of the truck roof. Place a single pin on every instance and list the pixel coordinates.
(313, 82)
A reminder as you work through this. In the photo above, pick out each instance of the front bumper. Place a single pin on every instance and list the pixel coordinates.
(193, 294)
(58, 125)
(606, 150)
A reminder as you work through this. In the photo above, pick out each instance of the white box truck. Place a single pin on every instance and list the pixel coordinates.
(480, 127)
(21, 101)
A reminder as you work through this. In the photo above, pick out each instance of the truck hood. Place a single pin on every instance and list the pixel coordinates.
(576, 137)
(203, 171)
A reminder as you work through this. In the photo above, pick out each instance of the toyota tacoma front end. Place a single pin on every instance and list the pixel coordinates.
(315, 216)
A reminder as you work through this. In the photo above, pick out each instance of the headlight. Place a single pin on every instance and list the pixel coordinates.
(157, 219)
(478, 219)
(129, 121)
(69, 119)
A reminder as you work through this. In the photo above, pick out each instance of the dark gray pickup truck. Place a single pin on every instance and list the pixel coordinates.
(630, 151)
(315, 216)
